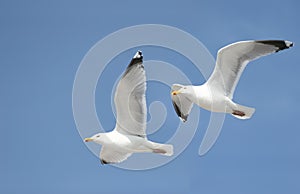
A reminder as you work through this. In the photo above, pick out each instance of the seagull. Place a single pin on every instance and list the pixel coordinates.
(129, 134)
(217, 92)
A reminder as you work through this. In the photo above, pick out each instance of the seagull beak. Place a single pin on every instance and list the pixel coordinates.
(174, 93)
(88, 139)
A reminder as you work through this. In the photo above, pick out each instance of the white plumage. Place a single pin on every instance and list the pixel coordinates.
(129, 134)
(217, 93)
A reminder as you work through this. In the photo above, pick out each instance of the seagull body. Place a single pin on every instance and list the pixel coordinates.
(129, 134)
(216, 94)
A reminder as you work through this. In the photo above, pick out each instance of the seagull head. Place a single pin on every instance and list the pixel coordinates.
(183, 90)
(95, 138)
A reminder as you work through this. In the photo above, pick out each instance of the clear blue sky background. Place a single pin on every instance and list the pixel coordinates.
(41, 46)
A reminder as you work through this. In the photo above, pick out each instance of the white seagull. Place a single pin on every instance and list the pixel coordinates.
(216, 94)
(129, 134)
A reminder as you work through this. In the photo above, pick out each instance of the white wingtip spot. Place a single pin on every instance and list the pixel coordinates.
(138, 54)
(289, 43)
(183, 120)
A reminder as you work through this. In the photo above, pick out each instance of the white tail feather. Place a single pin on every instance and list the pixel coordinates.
(243, 112)
(164, 149)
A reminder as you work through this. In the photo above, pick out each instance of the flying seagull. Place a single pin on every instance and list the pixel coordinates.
(129, 134)
(216, 94)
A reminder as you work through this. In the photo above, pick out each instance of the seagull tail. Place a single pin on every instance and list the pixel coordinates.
(243, 112)
(164, 149)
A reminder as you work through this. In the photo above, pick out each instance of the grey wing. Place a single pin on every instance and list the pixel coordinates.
(130, 100)
(232, 60)
(181, 104)
(110, 156)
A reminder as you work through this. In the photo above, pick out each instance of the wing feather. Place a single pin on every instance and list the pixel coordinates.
(111, 156)
(130, 100)
(181, 104)
(232, 60)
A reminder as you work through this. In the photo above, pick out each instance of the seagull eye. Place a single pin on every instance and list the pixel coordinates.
(98, 136)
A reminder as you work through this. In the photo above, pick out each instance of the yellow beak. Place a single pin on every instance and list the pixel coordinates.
(175, 92)
(88, 139)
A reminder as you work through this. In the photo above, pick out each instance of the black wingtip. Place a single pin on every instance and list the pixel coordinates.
(138, 55)
(103, 162)
(137, 58)
(184, 118)
(179, 113)
(280, 44)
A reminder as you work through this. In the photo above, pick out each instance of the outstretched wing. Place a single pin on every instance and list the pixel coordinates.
(232, 60)
(181, 104)
(110, 156)
(130, 100)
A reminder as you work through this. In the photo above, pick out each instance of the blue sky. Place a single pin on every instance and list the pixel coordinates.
(42, 44)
